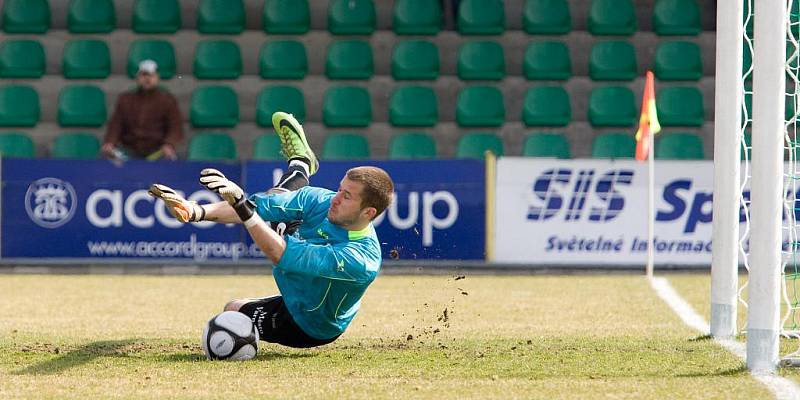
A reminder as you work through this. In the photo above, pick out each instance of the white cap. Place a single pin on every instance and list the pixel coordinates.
(147, 67)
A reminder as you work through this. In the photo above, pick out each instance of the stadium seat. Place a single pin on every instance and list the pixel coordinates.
(612, 17)
(481, 61)
(217, 59)
(546, 145)
(156, 16)
(75, 146)
(214, 106)
(547, 17)
(351, 17)
(345, 146)
(19, 105)
(21, 59)
(679, 146)
(614, 145)
(86, 59)
(547, 61)
(481, 17)
(678, 61)
(284, 59)
(413, 106)
(480, 106)
(211, 146)
(26, 16)
(417, 17)
(159, 51)
(279, 98)
(346, 106)
(91, 16)
(546, 106)
(286, 17)
(16, 145)
(415, 60)
(81, 105)
(676, 17)
(612, 61)
(349, 59)
(475, 144)
(680, 106)
(412, 146)
(268, 148)
(612, 106)
(220, 17)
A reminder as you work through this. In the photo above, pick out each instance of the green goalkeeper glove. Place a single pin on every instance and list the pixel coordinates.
(180, 208)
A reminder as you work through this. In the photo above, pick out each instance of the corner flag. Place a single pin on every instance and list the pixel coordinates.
(648, 121)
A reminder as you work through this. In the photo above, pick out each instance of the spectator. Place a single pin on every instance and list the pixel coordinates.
(146, 123)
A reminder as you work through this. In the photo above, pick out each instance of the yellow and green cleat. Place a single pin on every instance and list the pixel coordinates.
(293, 140)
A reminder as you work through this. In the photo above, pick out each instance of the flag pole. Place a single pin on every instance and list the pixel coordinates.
(651, 210)
(648, 127)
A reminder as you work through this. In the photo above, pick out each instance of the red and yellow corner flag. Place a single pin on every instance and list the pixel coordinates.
(648, 121)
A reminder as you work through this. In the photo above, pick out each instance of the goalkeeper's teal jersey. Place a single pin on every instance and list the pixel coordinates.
(325, 269)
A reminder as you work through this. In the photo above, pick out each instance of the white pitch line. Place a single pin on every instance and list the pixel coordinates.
(782, 388)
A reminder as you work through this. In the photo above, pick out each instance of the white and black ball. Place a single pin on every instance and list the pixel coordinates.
(230, 336)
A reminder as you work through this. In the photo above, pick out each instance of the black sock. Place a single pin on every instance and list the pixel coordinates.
(294, 178)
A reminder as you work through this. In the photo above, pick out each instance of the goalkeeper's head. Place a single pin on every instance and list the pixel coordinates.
(364, 193)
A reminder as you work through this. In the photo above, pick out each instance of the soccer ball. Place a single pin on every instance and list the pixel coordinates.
(231, 336)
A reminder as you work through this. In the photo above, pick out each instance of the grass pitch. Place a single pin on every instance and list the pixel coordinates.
(540, 337)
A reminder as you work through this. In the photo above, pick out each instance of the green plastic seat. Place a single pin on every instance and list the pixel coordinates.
(286, 17)
(349, 59)
(612, 61)
(678, 61)
(676, 17)
(16, 145)
(26, 16)
(613, 145)
(91, 16)
(413, 106)
(21, 59)
(217, 59)
(279, 98)
(546, 145)
(75, 146)
(268, 148)
(160, 51)
(156, 16)
(480, 106)
(481, 17)
(417, 17)
(474, 145)
(284, 59)
(612, 106)
(211, 146)
(481, 61)
(415, 60)
(347, 106)
(612, 17)
(547, 17)
(345, 146)
(679, 146)
(86, 59)
(351, 17)
(224, 17)
(547, 61)
(680, 106)
(412, 146)
(81, 105)
(214, 107)
(546, 106)
(19, 105)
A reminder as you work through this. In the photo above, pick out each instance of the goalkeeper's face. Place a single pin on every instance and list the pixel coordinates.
(346, 210)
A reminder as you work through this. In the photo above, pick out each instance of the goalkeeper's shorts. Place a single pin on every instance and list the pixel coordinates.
(276, 325)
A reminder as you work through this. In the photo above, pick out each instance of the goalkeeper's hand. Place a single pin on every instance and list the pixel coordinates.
(215, 181)
(180, 208)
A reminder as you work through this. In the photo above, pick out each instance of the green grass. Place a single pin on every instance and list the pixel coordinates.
(541, 337)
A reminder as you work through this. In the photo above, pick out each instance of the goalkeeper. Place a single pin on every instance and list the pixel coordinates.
(321, 271)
